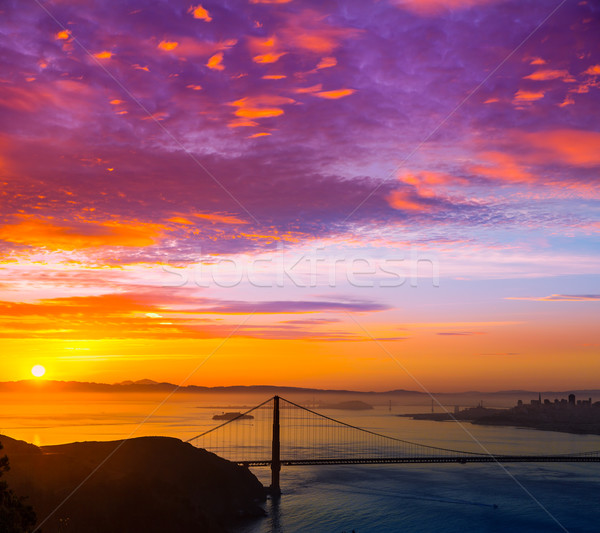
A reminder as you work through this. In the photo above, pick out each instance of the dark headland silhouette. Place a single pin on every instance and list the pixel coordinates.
(150, 484)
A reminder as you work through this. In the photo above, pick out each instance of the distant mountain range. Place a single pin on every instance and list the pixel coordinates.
(148, 385)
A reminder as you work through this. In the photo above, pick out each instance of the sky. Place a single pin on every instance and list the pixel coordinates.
(375, 195)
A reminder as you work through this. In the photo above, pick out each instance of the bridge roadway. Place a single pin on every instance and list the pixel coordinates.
(432, 454)
(428, 460)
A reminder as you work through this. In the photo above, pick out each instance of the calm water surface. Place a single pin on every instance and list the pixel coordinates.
(373, 498)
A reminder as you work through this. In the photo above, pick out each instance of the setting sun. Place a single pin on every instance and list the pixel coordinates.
(38, 371)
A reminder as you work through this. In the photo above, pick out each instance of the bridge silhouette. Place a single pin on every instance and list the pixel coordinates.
(279, 432)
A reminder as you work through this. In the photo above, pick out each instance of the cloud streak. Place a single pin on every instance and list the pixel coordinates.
(559, 298)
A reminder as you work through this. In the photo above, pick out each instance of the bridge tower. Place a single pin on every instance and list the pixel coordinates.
(275, 451)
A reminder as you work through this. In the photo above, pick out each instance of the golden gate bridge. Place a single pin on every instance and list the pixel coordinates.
(279, 432)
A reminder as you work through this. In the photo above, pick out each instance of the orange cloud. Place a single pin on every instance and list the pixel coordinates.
(594, 70)
(259, 112)
(69, 95)
(180, 220)
(434, 7)
(63, 35)
(241, 123)
(315, 42)
(309, 31)
(274, 77)
(501, 166)
(523, 96)
(431, 178)
(261, 134)
(258, 45)
(327, 62)
(424, 187)
(189, 47)
(106, 316)
(407, 201)
(260, 106)
(159, 115)
(334, 95)
(526, 151)
(263, 99)
(309, 90)
(103, 55)
(567, 101)
(211, 217)
(576, 147)
(46, 233)
(268, 58)
(265, 50)
(167, 46)
(549, 74)
(214, 62)
(224, 219)
(200, 13)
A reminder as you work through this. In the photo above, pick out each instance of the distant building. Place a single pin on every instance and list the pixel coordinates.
(538, 401)
(553, 405)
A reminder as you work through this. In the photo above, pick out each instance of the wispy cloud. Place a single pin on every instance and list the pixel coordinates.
(559, 298)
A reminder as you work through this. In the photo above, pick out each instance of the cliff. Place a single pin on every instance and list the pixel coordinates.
(150, 484)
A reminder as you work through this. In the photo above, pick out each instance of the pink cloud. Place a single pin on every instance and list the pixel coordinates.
(594, 70)
(501, 165)
(308, 31)
(435, 7)
(559, 298)
(574, 147)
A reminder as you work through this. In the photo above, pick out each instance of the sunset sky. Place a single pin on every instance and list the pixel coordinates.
(360, 194)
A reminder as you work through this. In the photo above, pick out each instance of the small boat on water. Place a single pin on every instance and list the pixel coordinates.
(231, 416)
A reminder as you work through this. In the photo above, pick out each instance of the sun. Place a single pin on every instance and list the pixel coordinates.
(38, 371)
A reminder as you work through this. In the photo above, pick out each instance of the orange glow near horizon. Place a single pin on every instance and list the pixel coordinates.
(301, 193)
(357, 363)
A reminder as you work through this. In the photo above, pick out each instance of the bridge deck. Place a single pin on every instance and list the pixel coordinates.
(428, 460)
(308, 429)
